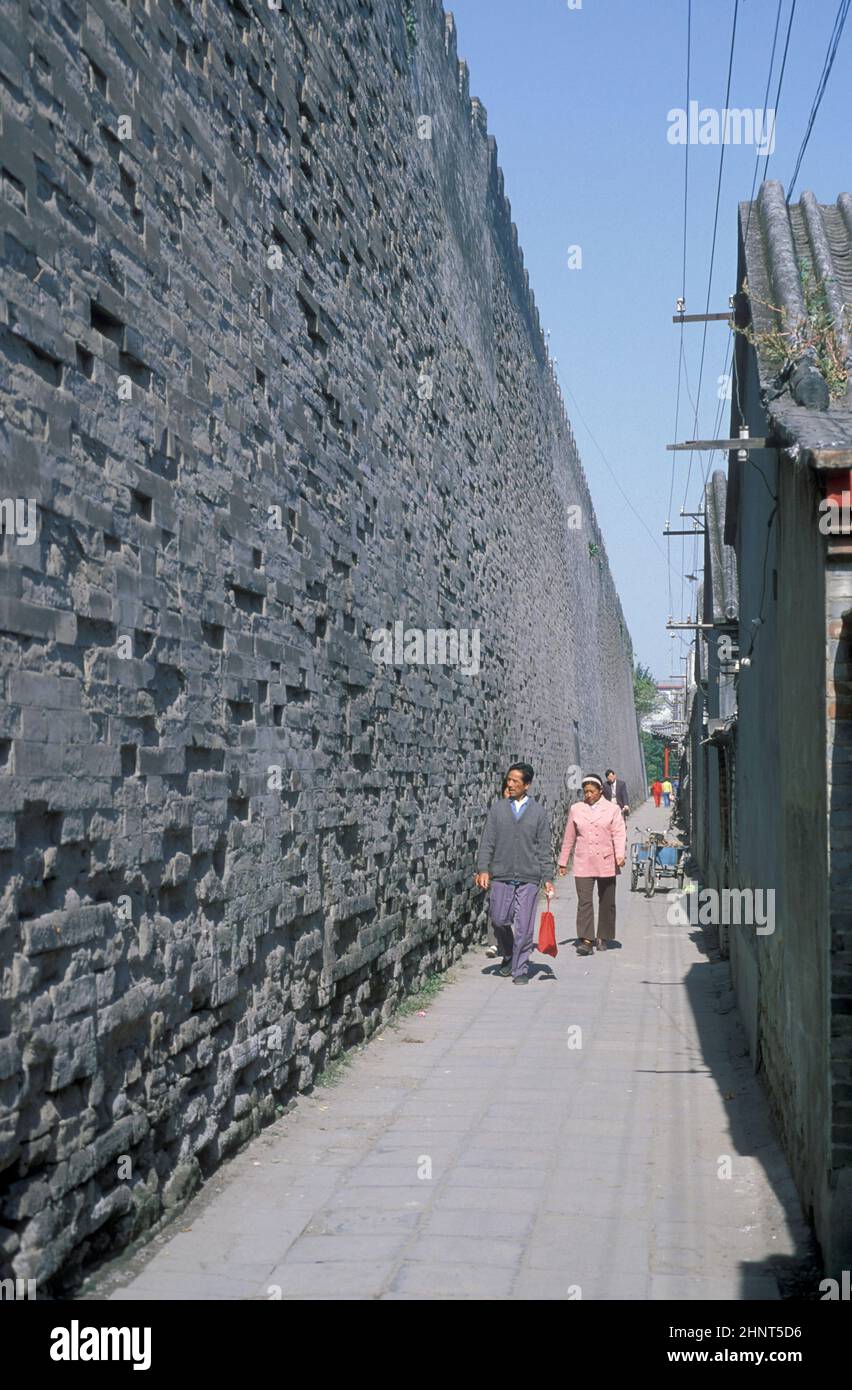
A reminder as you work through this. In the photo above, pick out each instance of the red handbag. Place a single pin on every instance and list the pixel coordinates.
(547, 932)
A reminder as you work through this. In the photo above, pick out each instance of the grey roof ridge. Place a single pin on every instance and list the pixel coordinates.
(774, 282)
(821, 252)
(781, 260)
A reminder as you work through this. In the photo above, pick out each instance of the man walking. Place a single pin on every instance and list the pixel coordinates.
(514, 857)
(616, 790)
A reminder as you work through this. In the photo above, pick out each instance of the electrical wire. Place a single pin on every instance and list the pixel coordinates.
(713, 244)
(681, 364)
(780, 82)
(758, 622)
(612, 472)
(730, 357)
(833, 43)
(709, 283)
(735, 374)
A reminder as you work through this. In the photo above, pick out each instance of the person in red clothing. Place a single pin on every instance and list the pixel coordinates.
(596, 834)
(657, 791)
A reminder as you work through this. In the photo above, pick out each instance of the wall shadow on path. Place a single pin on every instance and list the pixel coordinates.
(753, 1131)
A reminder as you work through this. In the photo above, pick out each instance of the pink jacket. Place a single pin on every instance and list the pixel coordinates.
(597, 836)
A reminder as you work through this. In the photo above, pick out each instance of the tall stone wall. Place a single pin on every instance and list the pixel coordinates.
(274, 384)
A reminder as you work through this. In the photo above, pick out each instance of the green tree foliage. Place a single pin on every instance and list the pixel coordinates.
(653, 748)
(645, 695)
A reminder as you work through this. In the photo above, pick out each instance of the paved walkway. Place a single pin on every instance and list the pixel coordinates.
(474, 1152)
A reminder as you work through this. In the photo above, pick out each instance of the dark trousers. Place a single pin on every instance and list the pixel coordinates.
(513, 918)
(586, 910)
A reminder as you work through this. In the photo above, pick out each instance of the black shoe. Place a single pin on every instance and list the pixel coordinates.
(505, 967)
(521, 980)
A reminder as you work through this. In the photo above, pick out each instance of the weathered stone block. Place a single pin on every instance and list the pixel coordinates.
(74, 997)
(184, 1181)
(126, 1011)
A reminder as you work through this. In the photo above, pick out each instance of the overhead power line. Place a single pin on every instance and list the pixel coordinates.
(734, 373)
(833, 44)
(713, 246)
(728, 353)
(680, 361)
(611, 470)
(777, 105)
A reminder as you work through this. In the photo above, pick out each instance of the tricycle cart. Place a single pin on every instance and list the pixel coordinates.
(654, 858)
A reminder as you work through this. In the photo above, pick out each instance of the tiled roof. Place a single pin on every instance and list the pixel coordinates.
(784, 246)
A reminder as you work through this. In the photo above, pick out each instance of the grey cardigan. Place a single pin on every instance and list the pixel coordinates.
(516, 849)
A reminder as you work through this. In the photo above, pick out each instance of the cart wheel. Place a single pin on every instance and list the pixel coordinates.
(650, 877)
(634, 879)
(680, 880)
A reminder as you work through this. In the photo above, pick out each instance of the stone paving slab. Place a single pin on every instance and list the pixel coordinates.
(476, 1153)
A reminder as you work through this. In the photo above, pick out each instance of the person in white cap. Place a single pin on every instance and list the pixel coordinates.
(596, 834)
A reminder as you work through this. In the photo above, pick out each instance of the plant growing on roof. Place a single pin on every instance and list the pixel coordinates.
(813, 334)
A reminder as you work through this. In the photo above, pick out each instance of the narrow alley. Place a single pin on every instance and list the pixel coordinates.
(425, 461)
(599, 1135)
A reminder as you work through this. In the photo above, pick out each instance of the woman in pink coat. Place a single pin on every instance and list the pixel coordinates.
(595, 832)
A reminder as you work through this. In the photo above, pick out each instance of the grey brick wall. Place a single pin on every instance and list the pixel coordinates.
(274, 381)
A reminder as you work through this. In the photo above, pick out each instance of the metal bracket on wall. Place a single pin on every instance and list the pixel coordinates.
(703, 627)
(727, 444)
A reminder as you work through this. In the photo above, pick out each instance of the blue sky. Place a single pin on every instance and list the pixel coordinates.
(578, 100)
